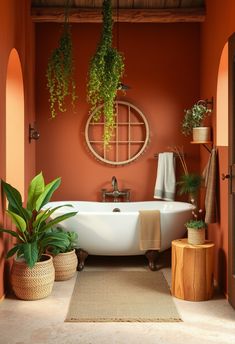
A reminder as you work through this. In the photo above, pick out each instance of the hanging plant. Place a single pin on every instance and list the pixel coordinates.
(59, 74)
(106, 70)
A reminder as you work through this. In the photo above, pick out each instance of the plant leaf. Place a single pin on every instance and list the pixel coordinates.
(47, 193)
(30, 253)
(9, 231)
(12, 251)
(55, 239)
(14, 199)
(18, 221)
(57, 220)
(36, 188)
(45, 214)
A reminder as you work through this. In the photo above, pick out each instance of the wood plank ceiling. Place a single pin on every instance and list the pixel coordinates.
(154, 11)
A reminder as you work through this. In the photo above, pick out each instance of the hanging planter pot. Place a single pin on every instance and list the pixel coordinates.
(33, 283)
(60, 71)
(104, 77)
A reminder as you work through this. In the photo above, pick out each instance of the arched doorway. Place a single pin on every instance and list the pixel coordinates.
(222, 100)
(15, 123)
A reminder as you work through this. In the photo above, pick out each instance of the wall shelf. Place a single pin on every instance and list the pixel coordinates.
(204, 143)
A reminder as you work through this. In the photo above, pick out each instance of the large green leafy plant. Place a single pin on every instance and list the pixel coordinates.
(72, 242)
(33, 223)
(60, 68)
(105, 72)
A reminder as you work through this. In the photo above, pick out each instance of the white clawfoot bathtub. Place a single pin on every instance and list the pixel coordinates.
(104, 232)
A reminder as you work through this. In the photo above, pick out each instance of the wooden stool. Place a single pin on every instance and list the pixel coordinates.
(192, 270)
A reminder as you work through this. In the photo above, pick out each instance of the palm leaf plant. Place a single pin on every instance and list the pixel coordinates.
(33, 223)
(60, 68)
(105, 72)
(189, 184)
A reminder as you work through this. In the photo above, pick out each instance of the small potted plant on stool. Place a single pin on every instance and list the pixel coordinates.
(196, 228)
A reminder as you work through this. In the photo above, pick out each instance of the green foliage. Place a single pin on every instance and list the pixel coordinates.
(189, 184)
(195, 224)
(72, 241)
(194, 117)
(59, 74)
(105, 72)
(34, 223)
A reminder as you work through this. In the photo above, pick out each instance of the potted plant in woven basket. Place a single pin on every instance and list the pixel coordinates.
(64, 258)
(196, 228)
(193, 120)
(32, 274)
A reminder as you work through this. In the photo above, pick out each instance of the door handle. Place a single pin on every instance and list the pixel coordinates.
(225, 176)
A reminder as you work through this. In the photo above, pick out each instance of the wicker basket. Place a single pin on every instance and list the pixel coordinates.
(33, 283)
(196, 236)
(65, 265)
(201, 134)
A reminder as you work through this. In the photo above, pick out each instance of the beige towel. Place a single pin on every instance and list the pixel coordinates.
(150, 230)
(210, 175)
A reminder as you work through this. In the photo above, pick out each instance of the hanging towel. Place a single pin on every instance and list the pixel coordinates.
(165, 182)
(210, 177)
(150, 230)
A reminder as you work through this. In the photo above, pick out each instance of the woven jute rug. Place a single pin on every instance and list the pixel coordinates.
(115, 296)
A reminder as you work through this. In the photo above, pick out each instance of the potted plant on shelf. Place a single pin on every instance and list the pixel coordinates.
(104, 77)
(64, 258)
(33, 273)
(196, 228)
(193, 120)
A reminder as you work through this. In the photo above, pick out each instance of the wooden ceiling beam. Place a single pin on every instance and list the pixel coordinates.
(81, 15)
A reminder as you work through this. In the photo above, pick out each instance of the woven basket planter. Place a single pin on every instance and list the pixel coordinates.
(196, 236)
(33, 283)
(201, 134)
(65, 265)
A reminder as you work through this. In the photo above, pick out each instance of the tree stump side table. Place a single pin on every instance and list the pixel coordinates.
(192, 270)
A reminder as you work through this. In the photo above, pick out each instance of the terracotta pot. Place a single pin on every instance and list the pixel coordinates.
(65, 265)
(201, 134)
(196, 236)
(33, 283)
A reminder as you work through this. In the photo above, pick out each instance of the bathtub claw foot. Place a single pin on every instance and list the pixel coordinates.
(82, 256)
(152, 256)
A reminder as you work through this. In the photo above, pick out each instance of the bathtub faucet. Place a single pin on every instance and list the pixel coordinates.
(114, 184)
(116, 194)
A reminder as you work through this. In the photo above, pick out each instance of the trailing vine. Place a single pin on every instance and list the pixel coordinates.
(59, 74)
(105, 72)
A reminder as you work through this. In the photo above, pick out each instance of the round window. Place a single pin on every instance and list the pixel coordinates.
(130, 136)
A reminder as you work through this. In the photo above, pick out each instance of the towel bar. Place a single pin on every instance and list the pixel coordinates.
(174, 154)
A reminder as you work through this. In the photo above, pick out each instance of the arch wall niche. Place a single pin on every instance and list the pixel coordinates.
(222, 100)
(15, 123)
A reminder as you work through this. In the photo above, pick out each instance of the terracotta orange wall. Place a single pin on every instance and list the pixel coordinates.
(16, 31)
(162, 68)
(219, 25)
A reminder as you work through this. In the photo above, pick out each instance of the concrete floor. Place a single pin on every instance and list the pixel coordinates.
(42, 321)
